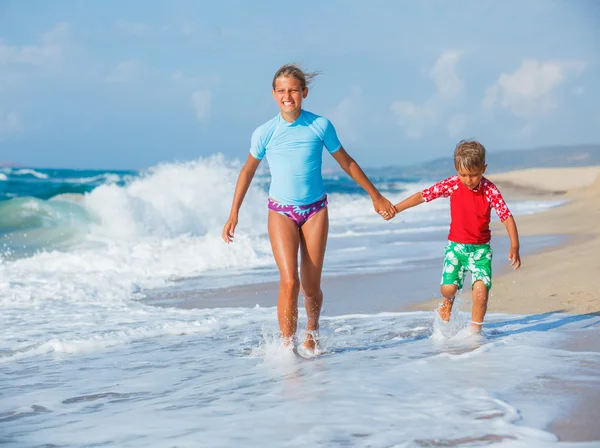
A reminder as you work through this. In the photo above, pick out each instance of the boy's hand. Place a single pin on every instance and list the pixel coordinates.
(514, 257)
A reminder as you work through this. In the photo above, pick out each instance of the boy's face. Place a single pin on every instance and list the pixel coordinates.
(471, 179)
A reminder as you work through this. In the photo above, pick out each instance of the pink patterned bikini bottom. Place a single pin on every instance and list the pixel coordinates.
(298, 213)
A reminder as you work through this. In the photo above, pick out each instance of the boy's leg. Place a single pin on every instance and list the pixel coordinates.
(480, 265)
(448, 291)
(452, 278)
(480, 300)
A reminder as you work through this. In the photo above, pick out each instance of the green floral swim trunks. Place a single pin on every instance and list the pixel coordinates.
(475, 258)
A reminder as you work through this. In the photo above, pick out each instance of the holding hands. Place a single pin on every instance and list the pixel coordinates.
(384, 207)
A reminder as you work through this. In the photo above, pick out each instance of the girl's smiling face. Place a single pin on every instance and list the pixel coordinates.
(288, 93)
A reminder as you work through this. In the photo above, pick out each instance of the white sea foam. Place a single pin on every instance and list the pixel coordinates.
(107, 178)
(25, 172)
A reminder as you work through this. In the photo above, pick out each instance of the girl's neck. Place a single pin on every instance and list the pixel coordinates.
(290, 118)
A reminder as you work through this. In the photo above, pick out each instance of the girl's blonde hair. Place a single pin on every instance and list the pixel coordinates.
(294, 71)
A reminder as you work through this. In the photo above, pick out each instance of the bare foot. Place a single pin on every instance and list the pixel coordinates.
(288, 342)
(475, 327)
(311, 342)
(445, 309)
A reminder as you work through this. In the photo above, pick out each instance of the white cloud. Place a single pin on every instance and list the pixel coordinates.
(456, 125)
(444, 75)
(578, 91)
(133, 28)
(48, 52)
(201, 100)
(10, 123)
(529, 91)
(416, 118)
(124, 72)
(345, 115)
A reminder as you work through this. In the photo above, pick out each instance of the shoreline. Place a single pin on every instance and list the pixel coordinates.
(396, 290)
(563, 278)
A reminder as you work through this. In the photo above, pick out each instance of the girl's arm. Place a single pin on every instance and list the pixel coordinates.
(241, 187)
(382, 206)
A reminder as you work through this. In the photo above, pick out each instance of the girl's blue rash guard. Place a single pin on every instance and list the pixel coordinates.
(295, 155)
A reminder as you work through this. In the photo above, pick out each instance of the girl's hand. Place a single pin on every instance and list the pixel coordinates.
(513, 256)
(229, 229)
(384, 207)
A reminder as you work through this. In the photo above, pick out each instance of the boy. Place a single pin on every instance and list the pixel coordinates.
(472, 197)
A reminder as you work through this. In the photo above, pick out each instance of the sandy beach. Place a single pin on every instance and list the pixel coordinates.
(563, 278)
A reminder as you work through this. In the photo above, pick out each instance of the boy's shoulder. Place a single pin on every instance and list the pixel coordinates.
(443, 188)
(448, 183)
(489, 186)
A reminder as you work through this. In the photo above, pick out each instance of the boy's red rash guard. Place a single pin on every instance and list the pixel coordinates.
(469, 209)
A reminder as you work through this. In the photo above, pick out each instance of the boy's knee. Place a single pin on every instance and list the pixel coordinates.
(448, 291)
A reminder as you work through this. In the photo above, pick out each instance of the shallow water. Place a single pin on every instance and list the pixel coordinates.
(222, 379)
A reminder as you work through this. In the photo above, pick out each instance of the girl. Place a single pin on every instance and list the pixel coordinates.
(293, 143)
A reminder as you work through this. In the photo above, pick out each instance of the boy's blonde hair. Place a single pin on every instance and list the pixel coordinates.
(469, 155)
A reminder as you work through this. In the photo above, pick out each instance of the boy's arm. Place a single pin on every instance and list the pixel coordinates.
(441, 189)
(495, 198)
(409, 202)
(513, 234)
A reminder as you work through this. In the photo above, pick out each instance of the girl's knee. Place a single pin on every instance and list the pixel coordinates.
(311, 292)
(290, 283)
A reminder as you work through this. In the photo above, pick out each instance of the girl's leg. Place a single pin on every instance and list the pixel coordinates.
(285, 240)
(448, 291)
(313, 241)
(480, 300)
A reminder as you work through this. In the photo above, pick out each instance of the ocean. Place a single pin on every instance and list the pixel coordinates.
(87, 360)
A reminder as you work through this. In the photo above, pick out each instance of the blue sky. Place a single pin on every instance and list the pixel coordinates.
(114, 84)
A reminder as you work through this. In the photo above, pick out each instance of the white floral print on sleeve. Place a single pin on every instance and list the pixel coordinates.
(493, 196)
(445, 188)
